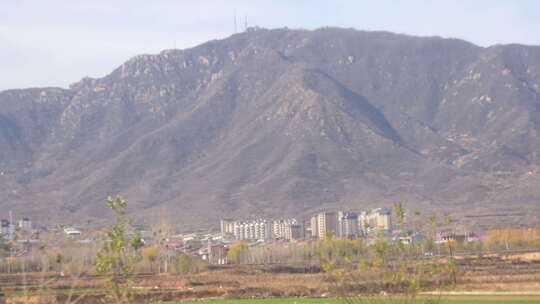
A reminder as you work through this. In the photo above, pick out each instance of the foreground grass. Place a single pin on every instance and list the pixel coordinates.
(469, 300)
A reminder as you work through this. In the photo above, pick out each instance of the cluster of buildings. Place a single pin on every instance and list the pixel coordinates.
(208, 247)
(350, 224)
(8, 227)
(261, 229)
(213, 247)
(24, 232)
(335, 223)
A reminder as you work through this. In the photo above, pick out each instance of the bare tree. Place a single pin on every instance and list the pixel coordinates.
(162, 231)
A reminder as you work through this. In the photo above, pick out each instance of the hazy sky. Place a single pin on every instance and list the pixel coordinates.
(57, 42)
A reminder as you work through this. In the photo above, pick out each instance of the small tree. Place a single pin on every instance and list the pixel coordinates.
(238, 252)
(393, 269)
(185, 264)
(118, 254)
(399, 213)
(451, 261)
(151, 255)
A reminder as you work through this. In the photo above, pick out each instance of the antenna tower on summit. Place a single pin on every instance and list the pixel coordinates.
(235, 28)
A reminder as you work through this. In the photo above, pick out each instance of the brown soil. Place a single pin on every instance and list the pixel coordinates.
(488, 275)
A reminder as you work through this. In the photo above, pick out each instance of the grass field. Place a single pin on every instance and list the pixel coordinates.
(461, 299)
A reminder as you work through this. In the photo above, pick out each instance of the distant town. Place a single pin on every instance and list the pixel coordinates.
(242, 249)
(329, 223)
(213, 247)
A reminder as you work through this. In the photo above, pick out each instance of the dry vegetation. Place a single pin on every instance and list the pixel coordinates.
(508, 273)
(330, 268)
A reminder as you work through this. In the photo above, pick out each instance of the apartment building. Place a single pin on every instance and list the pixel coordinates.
(294, 232)
(323, 224)
(287, 229)
(376, 220)
(25, 224)
(227, 226)
(253, 230)
(347, 224)
(4, 227)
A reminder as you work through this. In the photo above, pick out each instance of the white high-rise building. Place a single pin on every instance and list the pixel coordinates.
(25, 224)
(280, 228)
(323, 224)
(252, 230)
(288, 229)
(4, 227)
(376, 220)
(347, 224)
(227, 226)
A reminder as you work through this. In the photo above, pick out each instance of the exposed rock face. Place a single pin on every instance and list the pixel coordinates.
(278, 122)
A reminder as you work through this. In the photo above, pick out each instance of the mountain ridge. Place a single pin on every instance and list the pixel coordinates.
(282, 122)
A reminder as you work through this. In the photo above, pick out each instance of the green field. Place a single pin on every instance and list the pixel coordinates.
(483, 299)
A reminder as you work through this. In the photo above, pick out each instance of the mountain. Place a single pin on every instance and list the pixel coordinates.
(279, 123)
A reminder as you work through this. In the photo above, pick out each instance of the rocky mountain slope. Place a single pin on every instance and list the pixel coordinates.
(282, 122)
